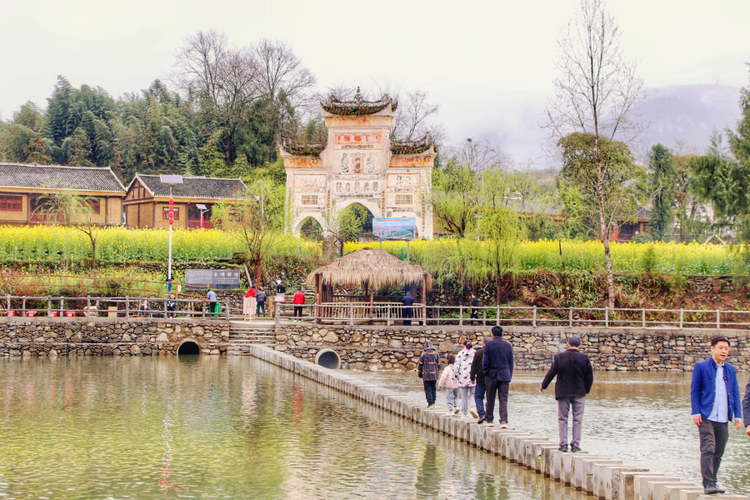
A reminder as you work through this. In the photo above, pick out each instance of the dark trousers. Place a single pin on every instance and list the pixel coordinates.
(260, 306)
(297, 311)
(496, 387)
(408, 313)
(479, 399)
(213, 309)
(474, 316)
(430, 391)
(713, 437)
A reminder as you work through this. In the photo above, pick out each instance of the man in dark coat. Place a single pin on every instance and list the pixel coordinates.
(497, 365)
(474, 309)
(428, 369)
(477, 375)
(574, 379)
(408, 301)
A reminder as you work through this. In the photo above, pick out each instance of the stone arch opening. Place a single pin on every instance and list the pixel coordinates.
(328, 358)
(311, 229)
(357, 211)
(188, 348)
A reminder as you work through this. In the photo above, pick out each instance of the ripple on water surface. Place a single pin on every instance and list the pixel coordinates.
(95, 428)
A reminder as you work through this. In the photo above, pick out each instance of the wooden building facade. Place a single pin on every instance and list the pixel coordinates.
(147, 200)
(26, 189)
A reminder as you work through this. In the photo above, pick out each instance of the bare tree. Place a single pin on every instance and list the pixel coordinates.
(596, 93)
(280, 70)
(478, 155)
(228, 78)
(412, 116)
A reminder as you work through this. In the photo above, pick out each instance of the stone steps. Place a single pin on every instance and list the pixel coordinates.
(599, 476)
(244, 335)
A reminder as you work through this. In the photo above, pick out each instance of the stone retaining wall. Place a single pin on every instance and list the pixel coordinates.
(625, 349)
(599, 476)
(108, 336)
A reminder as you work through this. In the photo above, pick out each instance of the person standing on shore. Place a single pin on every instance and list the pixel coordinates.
(298, 300)
(428, 369)
(260, 303)
(575, 376)
(280, 299)
(474, 309)
(715, 400)
(477, 376)
(462, 369)
(448, 380)
(497, 365)
(408, 301)
(211, 298)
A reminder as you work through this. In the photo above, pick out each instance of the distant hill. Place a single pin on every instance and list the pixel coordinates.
(687, 113)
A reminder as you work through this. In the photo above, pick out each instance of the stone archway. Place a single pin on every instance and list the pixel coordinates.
(300, 220)
(188, 347)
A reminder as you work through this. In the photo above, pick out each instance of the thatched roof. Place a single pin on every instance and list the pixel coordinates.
(372, 268)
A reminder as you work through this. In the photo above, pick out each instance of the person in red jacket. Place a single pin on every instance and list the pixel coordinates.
(298, 301)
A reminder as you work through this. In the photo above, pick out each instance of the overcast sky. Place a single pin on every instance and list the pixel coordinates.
(487, 64)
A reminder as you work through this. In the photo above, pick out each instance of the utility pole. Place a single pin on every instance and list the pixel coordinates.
(171, 180)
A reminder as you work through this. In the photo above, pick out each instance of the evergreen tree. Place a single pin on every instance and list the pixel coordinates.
(663, 193)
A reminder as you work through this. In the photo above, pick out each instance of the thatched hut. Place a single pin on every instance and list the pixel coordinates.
(368, 269)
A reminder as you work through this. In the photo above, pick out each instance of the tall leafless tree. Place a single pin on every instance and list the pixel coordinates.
(228, 78)
(478, 155)
(596, 92)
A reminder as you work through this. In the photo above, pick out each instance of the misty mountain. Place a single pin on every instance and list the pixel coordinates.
(687, 113)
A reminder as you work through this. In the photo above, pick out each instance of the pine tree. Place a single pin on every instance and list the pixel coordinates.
(663, 192)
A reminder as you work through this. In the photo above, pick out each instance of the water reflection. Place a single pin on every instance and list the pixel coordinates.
(232, 428)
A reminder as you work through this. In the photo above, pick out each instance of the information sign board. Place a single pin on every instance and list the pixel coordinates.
(219, 279)
(393, 229)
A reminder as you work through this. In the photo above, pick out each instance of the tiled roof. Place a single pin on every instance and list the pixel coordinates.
(358, 106)
(412, 147)
(303, 149)
(55, 177)
(194, 187)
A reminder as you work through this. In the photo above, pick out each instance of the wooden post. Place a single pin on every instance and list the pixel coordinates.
(606, 317)
(461, 315)
(718, 319)
(388, 316)
(49, 305)
(228, 301)
(643, 318)
(127, 307)
(498, 315)
(88, 305)
(682, 315)
(533, 321)
(351, 313)
(570, 317)
(277, 317)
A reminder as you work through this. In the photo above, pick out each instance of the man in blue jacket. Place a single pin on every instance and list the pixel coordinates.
(497, 365)
(715, 401)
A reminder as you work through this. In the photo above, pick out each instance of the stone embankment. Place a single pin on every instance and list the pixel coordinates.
(109, 336)
(600, 476)
(624, 349)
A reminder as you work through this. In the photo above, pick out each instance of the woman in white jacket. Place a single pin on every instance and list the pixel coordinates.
(448, 380)
(462, 374)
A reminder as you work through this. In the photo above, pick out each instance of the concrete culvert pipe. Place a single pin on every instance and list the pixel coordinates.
(188, 348)
(328, 358)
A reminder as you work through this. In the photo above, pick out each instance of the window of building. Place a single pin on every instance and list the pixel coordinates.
(95, 205)
(165, 213)
(310, 199)
(403, 199)
(11, 203)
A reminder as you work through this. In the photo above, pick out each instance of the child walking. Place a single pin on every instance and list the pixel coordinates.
(448, 380)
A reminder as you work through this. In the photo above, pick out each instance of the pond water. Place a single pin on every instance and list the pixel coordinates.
(641, 418)
(209, 427)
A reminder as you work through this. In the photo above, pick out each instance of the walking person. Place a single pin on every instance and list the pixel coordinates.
(280, 299)
(448, 380)
(428, 369)
(575, 377)
(474, 309)
(462, 370)
(248, 304)
(477, 376)
(497, 365)
(171, 306)
(298, 300)
(715, 401)
(408, 301)
(212, 302)
(260, 303)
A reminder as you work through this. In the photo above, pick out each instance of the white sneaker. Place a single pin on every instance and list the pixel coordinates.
(474, 413)
(503, 425)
